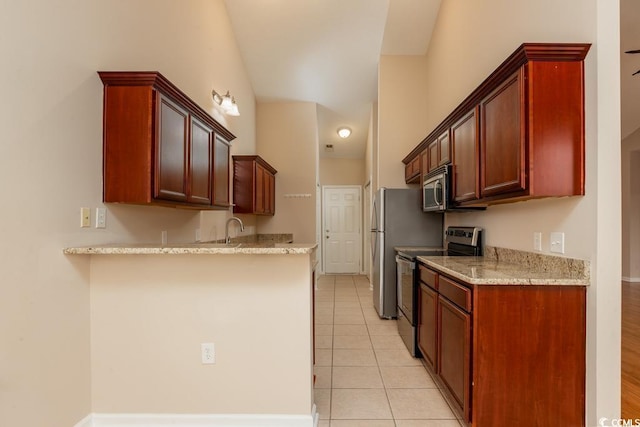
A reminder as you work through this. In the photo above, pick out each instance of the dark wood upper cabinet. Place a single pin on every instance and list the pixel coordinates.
(159, 147)
(253, 186)
(465, 151)
(171, 147)
(439, 151)
(424, 164)
(444, 149)
(221, 169)
(412, 170)
(502, 141)
(530, 129)
(201, 165)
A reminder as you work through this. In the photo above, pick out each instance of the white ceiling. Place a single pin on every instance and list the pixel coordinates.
(327, 52)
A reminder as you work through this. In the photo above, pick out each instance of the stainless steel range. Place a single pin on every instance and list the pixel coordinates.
(460, 241)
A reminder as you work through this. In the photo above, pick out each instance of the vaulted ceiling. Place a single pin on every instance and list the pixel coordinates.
(327, 52)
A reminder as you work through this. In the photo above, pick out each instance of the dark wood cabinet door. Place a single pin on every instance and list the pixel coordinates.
(434, 155)
(221, 153)
(270, 196)
(200, 163)
(427, 325)
(444, 149)
(159, 146)
(253, 186)
(171, 151)
(464, 141)
(454, 355)
(259, 191)
(424, 164)
(502, 140)
(412, 170)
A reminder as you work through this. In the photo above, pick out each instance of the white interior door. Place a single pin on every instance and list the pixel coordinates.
(342, 229)
(366, 252)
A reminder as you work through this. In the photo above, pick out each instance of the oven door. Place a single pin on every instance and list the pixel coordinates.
(433, 193)
(406, 303)
(405, 282)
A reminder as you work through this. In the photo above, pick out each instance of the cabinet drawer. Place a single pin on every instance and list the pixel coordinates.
(429, 277)
(456, 293)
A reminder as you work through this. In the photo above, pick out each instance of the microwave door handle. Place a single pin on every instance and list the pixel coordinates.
(435, 193)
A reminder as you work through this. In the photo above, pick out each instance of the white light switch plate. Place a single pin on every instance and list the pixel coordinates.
(101, 218)
(557, 242)
(537, 241)
(208, 350)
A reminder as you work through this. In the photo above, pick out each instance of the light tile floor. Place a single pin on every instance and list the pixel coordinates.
(365, 375)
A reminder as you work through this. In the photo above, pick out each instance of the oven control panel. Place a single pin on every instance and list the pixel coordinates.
(464, 235)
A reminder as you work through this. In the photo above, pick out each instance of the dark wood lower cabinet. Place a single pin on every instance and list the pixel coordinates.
(427, 325)
(455, 353)
(506, 355)
(529, 356)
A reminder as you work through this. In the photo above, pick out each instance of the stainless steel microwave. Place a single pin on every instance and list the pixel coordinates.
(435, 189)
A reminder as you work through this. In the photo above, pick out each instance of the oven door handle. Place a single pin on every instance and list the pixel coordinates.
(402, 260)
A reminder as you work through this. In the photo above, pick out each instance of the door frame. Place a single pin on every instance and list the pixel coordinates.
(359, 217)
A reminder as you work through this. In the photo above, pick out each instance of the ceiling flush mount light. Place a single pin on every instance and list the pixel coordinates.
(344, 132)
(226, 102)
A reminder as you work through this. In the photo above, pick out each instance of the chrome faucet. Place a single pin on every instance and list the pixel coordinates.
(227, 239)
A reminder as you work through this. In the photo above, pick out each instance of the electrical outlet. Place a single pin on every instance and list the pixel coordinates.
(557, 242)
(85, 217)
(101, 218)
(163, 237)
(208, 351)
(537, 241)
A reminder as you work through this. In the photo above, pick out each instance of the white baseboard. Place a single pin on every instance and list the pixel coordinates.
(631, 279)
(203, 420)
(85, 422)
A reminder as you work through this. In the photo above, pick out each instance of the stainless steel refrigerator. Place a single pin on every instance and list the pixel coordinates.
(397, 220)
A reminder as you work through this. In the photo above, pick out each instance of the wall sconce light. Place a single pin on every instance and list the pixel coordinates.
(344, 132)
(226, 102)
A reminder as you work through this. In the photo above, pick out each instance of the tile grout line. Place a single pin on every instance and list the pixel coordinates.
(362, 306)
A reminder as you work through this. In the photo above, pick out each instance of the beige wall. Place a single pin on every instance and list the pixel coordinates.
(370, 153)
(470, 40)
(402, 110)
(342, 171)
(149, 315)
(287, 138)
(631, 207)
(50, 166)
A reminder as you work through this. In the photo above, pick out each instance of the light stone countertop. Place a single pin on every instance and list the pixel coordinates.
(491, 270)
(501, 266)
(195, 249)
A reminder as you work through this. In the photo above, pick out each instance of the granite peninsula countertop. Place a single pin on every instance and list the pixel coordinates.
(266, 248)
(511, 267)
